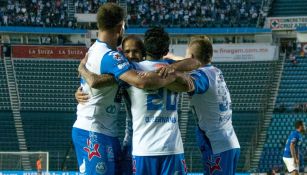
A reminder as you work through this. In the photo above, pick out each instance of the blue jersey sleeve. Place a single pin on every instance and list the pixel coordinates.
(170, 61)
(201, 82)
(114, 63)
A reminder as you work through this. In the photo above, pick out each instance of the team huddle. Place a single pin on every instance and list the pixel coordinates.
(149, 80)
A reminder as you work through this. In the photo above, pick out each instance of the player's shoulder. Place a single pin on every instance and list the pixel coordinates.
(150, 62)
(97, 51)
(115, 55)
(150, 65)
(298, 134)
(100, 47)
(199, 72)
(294, 134)
(216, 68)
(106, 51)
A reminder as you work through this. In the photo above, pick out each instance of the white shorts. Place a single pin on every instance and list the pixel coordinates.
(290, 164)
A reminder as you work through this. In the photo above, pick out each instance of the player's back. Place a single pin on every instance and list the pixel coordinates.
(155, 118)
(213, 110)
(99, 114)
(296, 138)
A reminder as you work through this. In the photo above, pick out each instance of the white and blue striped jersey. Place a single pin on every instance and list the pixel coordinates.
(155, 118)
(100, 113)
(212, 104)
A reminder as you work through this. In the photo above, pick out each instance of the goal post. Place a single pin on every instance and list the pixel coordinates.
(23, 161)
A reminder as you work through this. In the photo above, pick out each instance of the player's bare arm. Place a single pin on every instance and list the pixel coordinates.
(185, 65)
(151, 81)
(294, 154)
(173, 57)
(183, 83)
(80, 96)
(92, 79)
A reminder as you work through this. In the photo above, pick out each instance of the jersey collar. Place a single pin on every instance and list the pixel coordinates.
(97, 40)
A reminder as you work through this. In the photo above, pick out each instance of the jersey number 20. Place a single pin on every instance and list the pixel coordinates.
(155, 101)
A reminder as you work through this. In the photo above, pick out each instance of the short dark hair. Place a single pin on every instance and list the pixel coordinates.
(298, 123)
(138, 41)
(204, 51)
(156, 42)
(109, 15)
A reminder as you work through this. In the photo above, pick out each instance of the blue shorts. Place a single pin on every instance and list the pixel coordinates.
(97, 153)
(224, 163)
(127, 160)
(159, 165)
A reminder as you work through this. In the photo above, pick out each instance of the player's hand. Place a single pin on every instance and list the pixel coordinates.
(165, 71)
(83, 62)
(80, 96)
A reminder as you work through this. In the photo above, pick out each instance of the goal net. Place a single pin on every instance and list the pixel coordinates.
(24, 161)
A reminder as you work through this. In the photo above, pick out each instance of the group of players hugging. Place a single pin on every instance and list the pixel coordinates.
(149, 79)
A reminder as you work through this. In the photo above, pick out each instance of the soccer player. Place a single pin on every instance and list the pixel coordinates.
(134, 51)
(157, 145)
(212, 104)
(291, 155)
(94, 132)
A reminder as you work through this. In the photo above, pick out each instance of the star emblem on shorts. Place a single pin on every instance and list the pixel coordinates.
(92, 150)
(213, 164)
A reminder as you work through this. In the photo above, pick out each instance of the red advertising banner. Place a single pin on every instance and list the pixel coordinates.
(52, 52)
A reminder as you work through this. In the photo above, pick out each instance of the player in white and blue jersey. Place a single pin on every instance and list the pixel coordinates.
(157, 144)
(95, 130)
(212, 105)
(291, 156)
(167, 159)
(133, 49)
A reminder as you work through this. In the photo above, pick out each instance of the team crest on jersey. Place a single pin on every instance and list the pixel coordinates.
(111, 109)
(213, 164)
(92, 149)
(117, 56)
